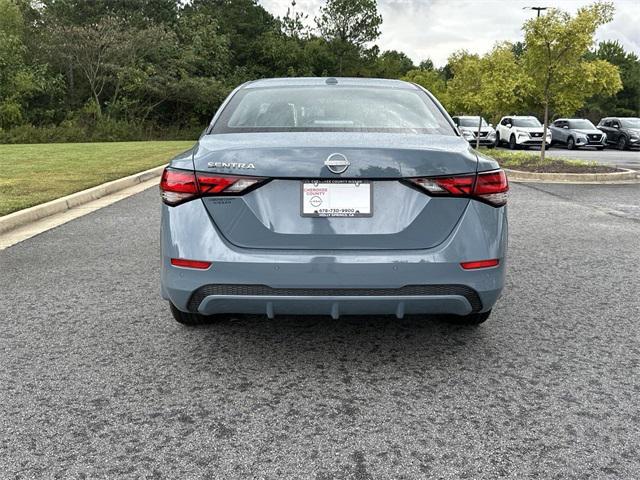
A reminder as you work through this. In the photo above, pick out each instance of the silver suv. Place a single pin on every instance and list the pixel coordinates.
(468, 126)
(576, 133)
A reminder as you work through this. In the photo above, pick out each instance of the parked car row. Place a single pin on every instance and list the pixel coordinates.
(518, 131)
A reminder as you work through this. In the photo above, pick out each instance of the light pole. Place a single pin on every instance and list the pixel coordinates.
(538, 9)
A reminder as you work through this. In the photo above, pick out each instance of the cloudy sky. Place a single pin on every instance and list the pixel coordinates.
(436, 28)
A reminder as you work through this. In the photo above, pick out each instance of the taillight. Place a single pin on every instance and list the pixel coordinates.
(179, 186)
(490, 187)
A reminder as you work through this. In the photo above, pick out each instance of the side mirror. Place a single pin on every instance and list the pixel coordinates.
(491, 125)
(566, 126)
(616, 126)
(508, 125)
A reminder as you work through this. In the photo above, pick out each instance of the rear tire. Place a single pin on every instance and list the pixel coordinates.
(622, 143)
(187, 318)
(473, 319)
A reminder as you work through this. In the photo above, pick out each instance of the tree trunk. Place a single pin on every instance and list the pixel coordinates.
(544, 131)
(478, 132)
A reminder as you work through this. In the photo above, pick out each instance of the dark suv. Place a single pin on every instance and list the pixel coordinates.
(623, 132)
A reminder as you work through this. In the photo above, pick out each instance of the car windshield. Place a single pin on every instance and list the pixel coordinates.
(332, 109)
(470, 122)
(526, 122)
(581, 124)
(630, 122)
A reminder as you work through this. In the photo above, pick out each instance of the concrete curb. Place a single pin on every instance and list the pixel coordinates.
(37, 212)
(625, 176)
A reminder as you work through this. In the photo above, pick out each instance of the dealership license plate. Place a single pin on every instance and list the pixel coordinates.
(337, 198)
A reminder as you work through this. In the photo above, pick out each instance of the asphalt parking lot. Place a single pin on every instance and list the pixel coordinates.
(98, 381)
(627, 159)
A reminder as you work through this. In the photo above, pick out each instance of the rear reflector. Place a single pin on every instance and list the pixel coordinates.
(480, 264)
(490, 187)
(178, 186)
(182, 262)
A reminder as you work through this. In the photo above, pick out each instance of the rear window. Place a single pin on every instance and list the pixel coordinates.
(332, 109)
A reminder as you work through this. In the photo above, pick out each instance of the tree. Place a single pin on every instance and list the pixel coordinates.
(561, 79)
(392, 64)
(485, 86)
(349, 25)
(627, 101)
(426, 64)
(19, 81)
(432, 80)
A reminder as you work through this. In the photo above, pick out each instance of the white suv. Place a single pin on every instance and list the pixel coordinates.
(521, 131)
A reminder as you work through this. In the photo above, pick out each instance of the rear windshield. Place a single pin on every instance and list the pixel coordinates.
(332, 109)
(583, 124)
(526, 122)
(470, 122)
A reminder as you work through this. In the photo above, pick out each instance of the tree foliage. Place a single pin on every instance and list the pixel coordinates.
(561, 78)
(108, 68)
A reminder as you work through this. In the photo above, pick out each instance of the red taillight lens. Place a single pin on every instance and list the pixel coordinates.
(183, 262)
(178, 186)
(490, 187)
(494, 262)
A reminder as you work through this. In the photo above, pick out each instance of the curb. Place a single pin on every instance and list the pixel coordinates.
(37, 212)
(625, 176)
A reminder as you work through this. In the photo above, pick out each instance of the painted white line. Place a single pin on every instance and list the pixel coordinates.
(34, 228)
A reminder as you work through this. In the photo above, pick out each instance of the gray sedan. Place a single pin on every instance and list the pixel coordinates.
(576, 133)
(336, 197)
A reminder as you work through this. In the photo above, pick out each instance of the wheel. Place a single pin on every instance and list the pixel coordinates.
(571, 144)
(497, 139)
(187, 318)
(622, 143)
(473, 319)
(512, 142)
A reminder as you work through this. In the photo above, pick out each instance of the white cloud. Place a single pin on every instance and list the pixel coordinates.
(436, 28)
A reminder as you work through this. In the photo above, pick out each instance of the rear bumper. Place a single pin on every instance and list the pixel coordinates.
(414, 299)
(332, 282)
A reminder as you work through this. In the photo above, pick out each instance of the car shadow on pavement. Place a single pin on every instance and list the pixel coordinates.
(302, 338)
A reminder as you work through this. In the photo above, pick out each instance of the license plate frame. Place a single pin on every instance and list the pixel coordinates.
(307, 209)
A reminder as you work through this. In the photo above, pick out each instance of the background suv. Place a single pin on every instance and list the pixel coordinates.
(623, 132)
(576, 132)
(468, 126)
(520, 131)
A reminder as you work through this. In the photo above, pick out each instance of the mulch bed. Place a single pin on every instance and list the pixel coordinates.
(559, 166)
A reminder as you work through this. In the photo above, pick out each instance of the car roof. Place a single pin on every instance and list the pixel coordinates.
(320, 81)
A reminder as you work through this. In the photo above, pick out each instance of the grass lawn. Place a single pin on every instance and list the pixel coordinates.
(33, 174)
(530, 162)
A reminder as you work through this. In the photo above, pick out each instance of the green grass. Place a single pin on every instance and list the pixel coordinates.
(530, 162)
(34, 174)
(511, 159)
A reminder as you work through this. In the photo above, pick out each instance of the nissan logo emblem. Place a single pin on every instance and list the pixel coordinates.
(337, 163)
